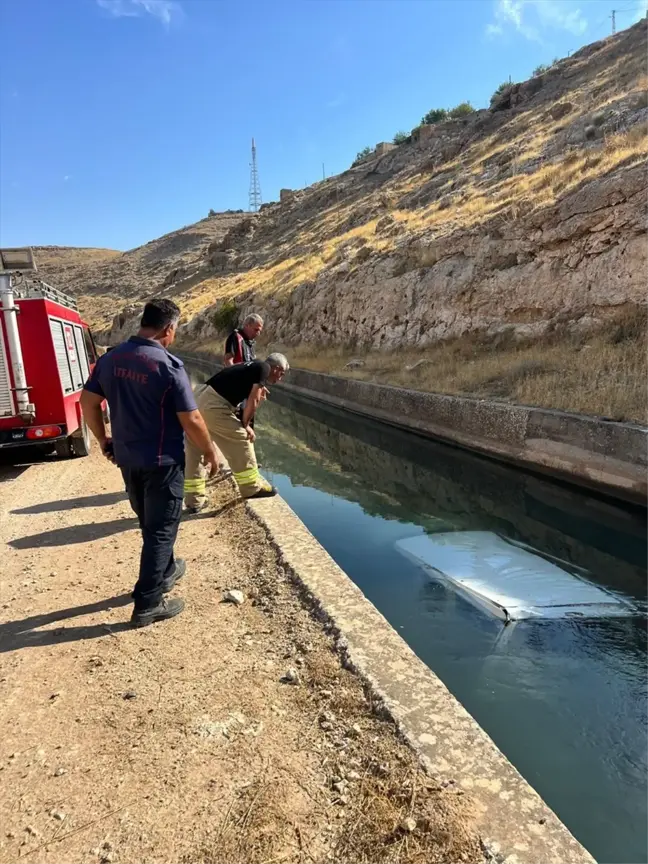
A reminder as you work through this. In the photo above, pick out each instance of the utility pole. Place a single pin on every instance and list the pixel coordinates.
(255, 186)
(323, 172)
(613, 17)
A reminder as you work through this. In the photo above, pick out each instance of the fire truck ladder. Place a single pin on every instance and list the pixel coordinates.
(36, 289)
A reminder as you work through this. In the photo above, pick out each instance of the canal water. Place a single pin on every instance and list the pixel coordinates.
(566, 701)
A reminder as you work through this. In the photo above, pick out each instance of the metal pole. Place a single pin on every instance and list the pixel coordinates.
(10, 314)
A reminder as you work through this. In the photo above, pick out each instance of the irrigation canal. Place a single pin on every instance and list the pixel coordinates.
(565, 700)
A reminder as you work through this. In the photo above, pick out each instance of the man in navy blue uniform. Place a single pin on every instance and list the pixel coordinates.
(151, 408)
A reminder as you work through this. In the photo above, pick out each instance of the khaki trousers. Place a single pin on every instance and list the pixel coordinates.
(231, 438)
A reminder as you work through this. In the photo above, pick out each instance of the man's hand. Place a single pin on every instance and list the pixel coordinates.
(251, 437)
(211, 460)
(264, 393)
(107, 450)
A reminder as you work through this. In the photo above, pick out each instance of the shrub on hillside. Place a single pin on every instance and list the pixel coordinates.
(463, 109)
(226, 317)
(401, 137)
(501, 88)
(362, 154)
(435, 115)
(539, 70)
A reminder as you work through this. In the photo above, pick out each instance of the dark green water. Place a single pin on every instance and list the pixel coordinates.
(565, 701)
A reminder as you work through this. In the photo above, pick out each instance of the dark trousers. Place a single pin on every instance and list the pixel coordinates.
(155, 495)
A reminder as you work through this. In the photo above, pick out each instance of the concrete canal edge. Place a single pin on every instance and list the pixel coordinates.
(515, 824)
(600, 454)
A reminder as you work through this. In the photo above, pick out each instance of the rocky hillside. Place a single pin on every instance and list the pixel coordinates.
(105, 280)
(513, 223)
(63, 264)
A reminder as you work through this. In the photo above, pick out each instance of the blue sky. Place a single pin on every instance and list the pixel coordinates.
(125, 119)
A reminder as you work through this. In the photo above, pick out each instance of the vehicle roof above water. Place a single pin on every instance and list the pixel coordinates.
(508, 580)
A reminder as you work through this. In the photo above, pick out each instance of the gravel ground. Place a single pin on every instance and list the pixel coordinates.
(229, 734)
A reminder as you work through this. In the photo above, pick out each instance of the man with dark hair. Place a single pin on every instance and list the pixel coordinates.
(151, 408)
(239, 347)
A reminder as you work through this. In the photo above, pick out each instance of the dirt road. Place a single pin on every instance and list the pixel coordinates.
(180, 741)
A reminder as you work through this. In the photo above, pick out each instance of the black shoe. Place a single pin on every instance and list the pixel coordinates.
(191, 511)
(165, 609)
(270, 492)
(178, 573)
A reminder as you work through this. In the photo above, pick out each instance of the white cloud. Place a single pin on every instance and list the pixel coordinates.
(66, 178)
(533, 18)
(164, 10)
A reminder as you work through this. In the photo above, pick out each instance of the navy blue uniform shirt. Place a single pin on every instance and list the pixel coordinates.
(145, 387)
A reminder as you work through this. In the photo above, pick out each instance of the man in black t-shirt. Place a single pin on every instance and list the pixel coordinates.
(218, 400)
(239, 347)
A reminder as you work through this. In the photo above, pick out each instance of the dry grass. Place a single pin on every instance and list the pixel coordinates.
(74, 256)
(604, 373)
(366, 823)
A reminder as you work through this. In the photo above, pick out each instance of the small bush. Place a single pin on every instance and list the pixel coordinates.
(212, 212)
(463, 109)
(362, 154)
(401, 138)
(541, 69)
(226, 317)
(501, 88)
(435, 115)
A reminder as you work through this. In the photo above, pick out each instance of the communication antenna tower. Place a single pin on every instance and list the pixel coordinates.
(255, 186)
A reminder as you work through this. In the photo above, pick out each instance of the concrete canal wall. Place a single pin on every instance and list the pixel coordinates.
(600, 454)
(515, 824)
(603, 455)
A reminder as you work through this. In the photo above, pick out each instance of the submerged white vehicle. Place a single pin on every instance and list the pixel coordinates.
(509, 580)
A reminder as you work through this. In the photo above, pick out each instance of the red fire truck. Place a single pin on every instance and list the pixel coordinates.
(46, 354)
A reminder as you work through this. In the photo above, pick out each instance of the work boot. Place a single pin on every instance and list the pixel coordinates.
(165, 609)
(178, 573)
(266, 492)
(196, 508)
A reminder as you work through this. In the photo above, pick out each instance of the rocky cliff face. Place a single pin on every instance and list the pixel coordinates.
(517, 218)
(576, 261)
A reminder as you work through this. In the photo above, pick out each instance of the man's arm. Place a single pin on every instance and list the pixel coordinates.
(252, 403)
(230, 349)
(93, 415)
(197, 432)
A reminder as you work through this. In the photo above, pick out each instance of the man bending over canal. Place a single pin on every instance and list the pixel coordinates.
(151, 407)
(218, 400)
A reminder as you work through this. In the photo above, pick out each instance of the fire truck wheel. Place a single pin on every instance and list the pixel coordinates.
(77, 444)
(80, 440)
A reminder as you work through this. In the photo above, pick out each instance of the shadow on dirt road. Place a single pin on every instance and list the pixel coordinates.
(104, 500)
(72, 534)
(15, 635)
